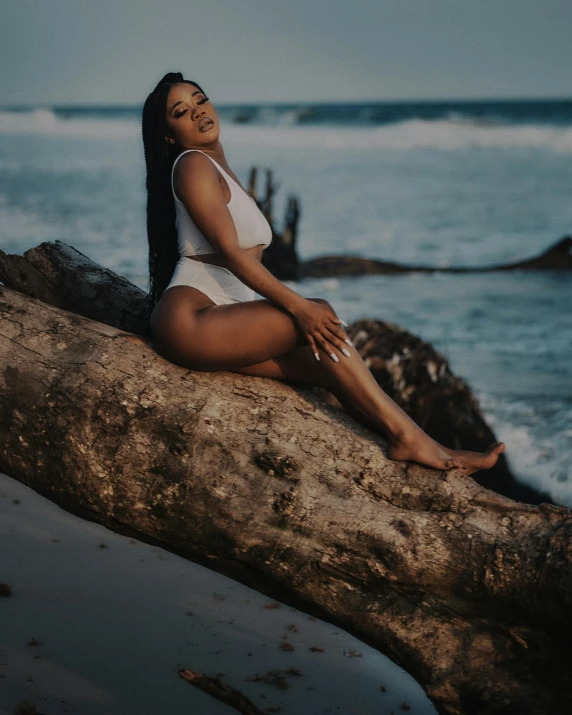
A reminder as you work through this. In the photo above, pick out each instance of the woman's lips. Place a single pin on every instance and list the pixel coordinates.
(205, 124)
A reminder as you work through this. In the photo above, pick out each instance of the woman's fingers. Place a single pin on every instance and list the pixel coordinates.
(340, 334)
(327, 346)
(334, 326)
(316, 339)
(336, 334)
(324, 340)
(313, 345)
(333, 335)
(340, 343)
(325, 333)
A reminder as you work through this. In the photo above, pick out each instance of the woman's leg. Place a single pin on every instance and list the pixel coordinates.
(360, 394)
(260, 338)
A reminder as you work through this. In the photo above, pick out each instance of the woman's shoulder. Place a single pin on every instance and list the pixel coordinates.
(197, 181)
(192, 159)
(192, 166)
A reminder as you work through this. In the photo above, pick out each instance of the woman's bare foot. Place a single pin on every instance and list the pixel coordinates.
(419, 447)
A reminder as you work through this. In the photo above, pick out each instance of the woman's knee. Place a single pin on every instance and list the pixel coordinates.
(322, 301)
(325, 303)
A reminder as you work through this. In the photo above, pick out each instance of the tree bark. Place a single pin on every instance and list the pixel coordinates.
(410, 370)
(62, 276)
(468, 591)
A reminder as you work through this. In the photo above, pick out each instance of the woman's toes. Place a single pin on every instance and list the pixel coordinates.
(453, 464)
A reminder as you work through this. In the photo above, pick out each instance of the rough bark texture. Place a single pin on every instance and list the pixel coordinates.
(410, 370)
(60, 275)
(468, 591)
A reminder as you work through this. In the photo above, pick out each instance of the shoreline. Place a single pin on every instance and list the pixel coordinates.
(115, 618)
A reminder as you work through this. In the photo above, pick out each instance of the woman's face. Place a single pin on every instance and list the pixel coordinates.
(186, 117)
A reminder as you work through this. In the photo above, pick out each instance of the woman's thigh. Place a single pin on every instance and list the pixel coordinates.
(190, 330)
(298, 366)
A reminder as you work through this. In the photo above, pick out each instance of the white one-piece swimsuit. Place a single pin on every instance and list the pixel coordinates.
(252, 229)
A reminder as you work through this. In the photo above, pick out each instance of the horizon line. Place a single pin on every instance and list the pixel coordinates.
(278, 103)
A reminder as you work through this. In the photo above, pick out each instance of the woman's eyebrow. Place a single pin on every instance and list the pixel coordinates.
(181, 101)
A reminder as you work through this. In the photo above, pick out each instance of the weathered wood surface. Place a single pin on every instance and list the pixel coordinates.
(409, 369)
(62, 276)
(468, 591)
(280, 257)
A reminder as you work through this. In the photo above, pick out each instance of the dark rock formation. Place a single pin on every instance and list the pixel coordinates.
(556, 257)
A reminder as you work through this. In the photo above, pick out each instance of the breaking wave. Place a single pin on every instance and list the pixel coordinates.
(452, 133)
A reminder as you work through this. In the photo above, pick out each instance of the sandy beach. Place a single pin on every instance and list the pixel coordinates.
(99, 624)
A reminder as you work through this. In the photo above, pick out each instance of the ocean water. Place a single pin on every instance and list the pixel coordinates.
(433, 183)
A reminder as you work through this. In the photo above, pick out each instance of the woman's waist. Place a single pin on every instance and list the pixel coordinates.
(216, 259)
(210, 278)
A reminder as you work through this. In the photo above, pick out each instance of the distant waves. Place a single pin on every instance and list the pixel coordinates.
(452, 133)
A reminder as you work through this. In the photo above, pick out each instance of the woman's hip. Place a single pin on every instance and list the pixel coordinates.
(218, 283)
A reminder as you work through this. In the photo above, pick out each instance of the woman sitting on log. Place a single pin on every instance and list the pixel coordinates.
(206, 237)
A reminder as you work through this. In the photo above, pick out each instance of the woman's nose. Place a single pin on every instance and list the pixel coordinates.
(198, 112)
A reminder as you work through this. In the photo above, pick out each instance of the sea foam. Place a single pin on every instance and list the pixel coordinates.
(449, 134)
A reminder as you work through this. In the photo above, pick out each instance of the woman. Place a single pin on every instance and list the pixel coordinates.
(206, 237)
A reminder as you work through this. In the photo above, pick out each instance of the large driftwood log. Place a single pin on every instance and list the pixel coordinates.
(468, 591)
(410, 370)
(60, 275)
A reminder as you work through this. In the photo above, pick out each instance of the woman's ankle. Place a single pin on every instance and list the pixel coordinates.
(404, 434)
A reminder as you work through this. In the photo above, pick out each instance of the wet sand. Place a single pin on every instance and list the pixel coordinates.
(99, 624)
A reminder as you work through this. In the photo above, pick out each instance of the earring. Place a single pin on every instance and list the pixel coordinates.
(169, 140)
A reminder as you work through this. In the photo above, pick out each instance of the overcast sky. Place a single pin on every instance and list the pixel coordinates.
(114, 51)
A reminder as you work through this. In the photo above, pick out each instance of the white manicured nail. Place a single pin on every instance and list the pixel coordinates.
(344, 323)
(346, 352)
(334, 357)
(348, 341)
(316, 356)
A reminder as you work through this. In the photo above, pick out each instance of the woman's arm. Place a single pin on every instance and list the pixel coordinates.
(197, 185)
(319, 323)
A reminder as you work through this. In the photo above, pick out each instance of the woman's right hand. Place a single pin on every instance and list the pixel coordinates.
(321, 326)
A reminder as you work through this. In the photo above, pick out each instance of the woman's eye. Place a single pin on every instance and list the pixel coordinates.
(202, 101)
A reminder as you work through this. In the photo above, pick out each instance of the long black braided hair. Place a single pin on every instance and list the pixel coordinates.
(159, 159)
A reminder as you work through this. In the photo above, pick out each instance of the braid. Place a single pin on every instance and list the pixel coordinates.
(159, 159)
